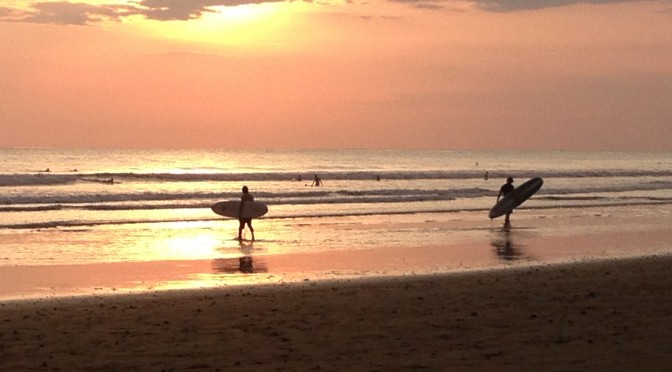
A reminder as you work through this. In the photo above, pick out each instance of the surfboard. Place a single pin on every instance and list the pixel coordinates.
(231, 208)
(516, 197)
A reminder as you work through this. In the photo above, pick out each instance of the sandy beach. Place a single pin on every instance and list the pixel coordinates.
(577, 292)
(611, 315)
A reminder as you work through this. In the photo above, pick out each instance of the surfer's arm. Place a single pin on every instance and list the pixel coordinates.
(501, 192)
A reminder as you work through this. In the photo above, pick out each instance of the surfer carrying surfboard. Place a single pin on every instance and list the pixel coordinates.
(505, 189)
(246, 197)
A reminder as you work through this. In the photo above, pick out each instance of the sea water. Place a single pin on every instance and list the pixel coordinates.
(79, 206)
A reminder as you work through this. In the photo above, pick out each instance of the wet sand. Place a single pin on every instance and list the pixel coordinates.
(612, 315)
(524, 300)
(462, 243)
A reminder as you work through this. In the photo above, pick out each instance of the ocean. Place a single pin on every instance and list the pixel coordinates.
(90, 206)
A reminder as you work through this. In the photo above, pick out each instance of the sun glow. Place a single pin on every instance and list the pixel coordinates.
(249, 12)
(242, 25)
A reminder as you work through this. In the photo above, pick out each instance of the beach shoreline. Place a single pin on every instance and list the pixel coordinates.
(558, 292)
(429, 245)
(607, 315)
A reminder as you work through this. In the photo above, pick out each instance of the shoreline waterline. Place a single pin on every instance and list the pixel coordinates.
(428, 246)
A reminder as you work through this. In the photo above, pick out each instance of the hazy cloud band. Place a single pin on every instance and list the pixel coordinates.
(77, 13)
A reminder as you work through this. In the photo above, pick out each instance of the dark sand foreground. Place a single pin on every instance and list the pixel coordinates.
(607, 316)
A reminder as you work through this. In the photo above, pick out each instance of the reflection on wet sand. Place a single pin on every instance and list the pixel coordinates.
(504, 247)
(245, 264)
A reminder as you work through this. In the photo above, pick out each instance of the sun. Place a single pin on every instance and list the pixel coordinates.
(248, 12)
(241, 25)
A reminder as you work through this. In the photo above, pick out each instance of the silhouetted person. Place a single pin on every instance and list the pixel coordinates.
(316, 181)
(246, 197)
(503, 191)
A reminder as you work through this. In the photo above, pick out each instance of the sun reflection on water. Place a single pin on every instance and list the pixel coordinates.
(191, 247)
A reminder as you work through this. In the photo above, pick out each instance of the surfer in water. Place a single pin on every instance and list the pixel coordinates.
(505, 189)
(317, 181)
(243, 221)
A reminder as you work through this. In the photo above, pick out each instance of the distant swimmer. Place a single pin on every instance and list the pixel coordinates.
(378, 178)
(317, 181)
(246, 197)
(486, 175)
(298, 178)
(505, 189)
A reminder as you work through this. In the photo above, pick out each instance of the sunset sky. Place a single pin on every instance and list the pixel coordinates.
(421, 74)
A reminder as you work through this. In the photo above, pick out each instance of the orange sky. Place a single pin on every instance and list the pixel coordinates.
(450, 74)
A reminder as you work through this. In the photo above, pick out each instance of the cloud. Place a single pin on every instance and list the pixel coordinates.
(504, 6)
(430, 4)
(435, 4)
(62, 13)
(78, 13)
(8, 12)
(171, 10)
(521, 5)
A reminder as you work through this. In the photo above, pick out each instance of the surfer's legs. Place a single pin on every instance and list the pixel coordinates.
(243, 222)
(507, 222)
(240, 228)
